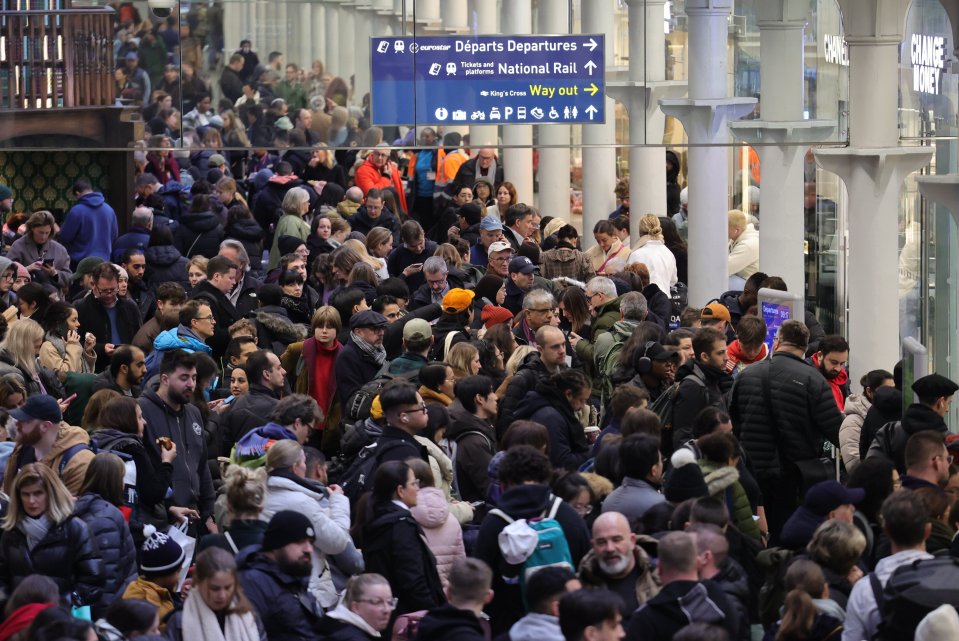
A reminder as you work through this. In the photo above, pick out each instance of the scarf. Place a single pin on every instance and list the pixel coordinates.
(345, 615)
(432, 395)
(320, 361)
(200, 620)
(21, 619)
(35, 529)
(375, 352)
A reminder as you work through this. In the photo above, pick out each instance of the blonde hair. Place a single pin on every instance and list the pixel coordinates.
(283, 455)
(376, 237)
(330, 161)
(360, 248)
(737, 218)
(200, 262)
(448, 252)
(837, 545)
(460, 357)
(649, 225)
(59, 501)
(19, 344)
(245, 489)
(516, 358)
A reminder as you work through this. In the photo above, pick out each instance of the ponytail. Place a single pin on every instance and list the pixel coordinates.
(799, 615)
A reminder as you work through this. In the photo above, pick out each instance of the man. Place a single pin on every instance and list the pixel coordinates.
(303, 121)
(379, 172)
(471, 435)
(927, 462)
(267, 379)
(135, 264)
(743, 260)
(831, 357)
(703, 382)
(437, 285)
(739, 302)
(125, 374)
(82, 281)
(238, 350)
(716, 316)
(905, 522)
(467, 592)
(363, 356)
(374, 214)
(617, 564)
(607, 346)
(389, 306)
(291, 419)
(490, 231)
(145, 188)
(519, 225)
(485, 165)
(539, 309)
(549, 358)
(684, 599)
(655, 367)
(498, 257)
(406, 415)
(275, 578)
(934, 393)
(825, 501)
(8, 276)
(196, 326)
(137, 236)
(170, 298)
(113, 320)
(220, 280)
(90, 226)
(43, 437)
(603, 305)
(622, 199)
(544, 589)
(450, 223)
(520, 281)
(524, 474)
(642, 467)
(717, 566)
(169, 413)
(231, 81)
(138, 81)
(799, 416)
(591, 615)
(243, 294)
(291, 89)
(407, 260)
(417, 342)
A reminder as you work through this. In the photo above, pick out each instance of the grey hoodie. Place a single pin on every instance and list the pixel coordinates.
(536, 627)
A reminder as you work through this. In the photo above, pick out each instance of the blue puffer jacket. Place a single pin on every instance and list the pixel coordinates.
(180, 338)
(109, 528)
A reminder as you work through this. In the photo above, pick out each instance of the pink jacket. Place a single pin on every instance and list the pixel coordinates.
(443, 532)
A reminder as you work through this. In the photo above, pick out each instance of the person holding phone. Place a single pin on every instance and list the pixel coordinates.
(63, 351)
(45, 259)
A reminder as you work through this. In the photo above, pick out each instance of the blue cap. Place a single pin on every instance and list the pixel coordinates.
(491, 223)
(521, 265)
(39, 406)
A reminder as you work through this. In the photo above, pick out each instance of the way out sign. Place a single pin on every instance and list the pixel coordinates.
(463, 80)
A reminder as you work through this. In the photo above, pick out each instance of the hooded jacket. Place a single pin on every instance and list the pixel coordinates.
(109, 529)
(734, 582)
(443, 533)
(165, 264)
(275, 330)
(135, 238)
(75, 469)
(448, 622)
(606, 349)
(268, 202)
(528, 375)
(723, 483)
(286, 608)
(361, 222)
(855, 410)
(700, 386)
(191, 480)
(474, 440)
(250, 234)
(152, 482)
(244, 414)
(607, 315)
(568, 447)
(568, 261)
(886, 408)
(677, 605)
(536, 627)
(890, 441)
(199, 232)
(90, 227)
(224, 313)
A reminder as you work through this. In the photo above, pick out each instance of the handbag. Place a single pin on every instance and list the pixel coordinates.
(179, 534)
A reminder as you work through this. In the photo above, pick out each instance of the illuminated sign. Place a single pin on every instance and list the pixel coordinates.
(928, 55)
(836, 50)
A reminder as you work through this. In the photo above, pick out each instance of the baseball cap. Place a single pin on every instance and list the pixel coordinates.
(657, 352)
(416, 330)
(457, 300)
(39, 406)
(491, 223)
(499, 246)
(216, 160)
(86, 266)
(824, 497)
(132, 56)
(521, 265)
(716, 310)
(368, 318)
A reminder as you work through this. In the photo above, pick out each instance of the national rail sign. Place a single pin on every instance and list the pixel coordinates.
(488, 80)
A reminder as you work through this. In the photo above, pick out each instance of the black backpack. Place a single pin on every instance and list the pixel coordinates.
(358, 479)
(913, 591)
(359, 403)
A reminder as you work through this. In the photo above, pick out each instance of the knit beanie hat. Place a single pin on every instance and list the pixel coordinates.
(493, 315)
(22, 271)
(942, 624)
(160, 554)
(685, 481)
(287, 527)
(287, 244)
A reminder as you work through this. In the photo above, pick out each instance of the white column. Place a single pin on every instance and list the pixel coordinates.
(518, 139)
(873, 168)
(942, 189)
(599, 163)
(484, 18)
(554, 160)
(332, 61)
(704, 115)
(318, 32)
(303, 53)
(347, 41)
(361, 68)
(455, 15)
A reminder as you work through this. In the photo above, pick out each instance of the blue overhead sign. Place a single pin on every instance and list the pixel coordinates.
(459, 80)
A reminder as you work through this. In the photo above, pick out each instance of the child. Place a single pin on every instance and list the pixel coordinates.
(160, 561)
(749, 348)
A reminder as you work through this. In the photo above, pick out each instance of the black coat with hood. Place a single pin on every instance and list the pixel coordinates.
(199, 232)
(568, 447)
(890, 441)
(707, 386)
(886, 408)
(475, 441)
(165, 264)
(224, 312)
(250, 234)
(153, 481)
(108, 527)
(448, 622)
(528, 375)
(361, 222)
(677, 605)
(275, 331)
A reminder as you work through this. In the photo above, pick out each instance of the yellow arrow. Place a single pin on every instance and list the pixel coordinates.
(592, 89)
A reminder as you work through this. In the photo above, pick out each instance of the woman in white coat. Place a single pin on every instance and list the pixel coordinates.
(287, 488)
(652, 252)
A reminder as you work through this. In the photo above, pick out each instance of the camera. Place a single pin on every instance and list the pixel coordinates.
(162, 8)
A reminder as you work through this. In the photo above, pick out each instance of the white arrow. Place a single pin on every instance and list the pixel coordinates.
(591, 110)
(590, 67)
(591, 45)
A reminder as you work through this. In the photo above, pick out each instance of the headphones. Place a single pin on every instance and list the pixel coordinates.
(644, 363)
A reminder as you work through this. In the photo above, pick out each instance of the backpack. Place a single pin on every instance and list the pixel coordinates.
(913, 591)
(358, 479)
(663, 407)
(772, 594)
(550, 550)
(358, 405)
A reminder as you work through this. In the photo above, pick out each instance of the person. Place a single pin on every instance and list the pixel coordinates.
(436, 272)
(703, 382)
(245, 492)
(642, 465)
(618, 564)
(608, 345)
(461, 617)
(804, 414)
(518, 223)
(802, 617)
(170, 298)
(42, 535)
(90, 227)
(523, 474)
(296, 204)
(221, 274)
(830, 357)
(591, 615)
(216, 607)
(111, 319)
(169, 413)
(484, 165)
(471, 435)
(566, 259)
(315, 360)
(62, 350)
(543, 591)
(267, 380)
(125, 374)
(374, 213)
(274, 578)
(743, 259)
(165, 264)
(652, 252)
(906, 525)
(363, 356)
(684, 599)
(129, 619)
(393, 543)
(934, 393)
(825, 501)
(43, 438)
(608, 250)
(200, 230)
(432, 511)
(927, 462)
(556, 403)
(749, 347)
(47, 260)
(196, 326)
(291, 419)
(379, 172)
(549, 359)
(718, 566)
(364, 612)
(417, 343)
(855, 410)
(837, 547)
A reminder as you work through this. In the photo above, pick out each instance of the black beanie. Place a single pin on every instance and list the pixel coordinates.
(287, 527)
(287, 244)
(685, 481)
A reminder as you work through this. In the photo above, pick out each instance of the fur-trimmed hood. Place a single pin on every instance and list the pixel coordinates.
(718, 477)
(281, 326)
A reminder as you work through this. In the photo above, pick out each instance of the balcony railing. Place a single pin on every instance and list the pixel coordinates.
(56, 59)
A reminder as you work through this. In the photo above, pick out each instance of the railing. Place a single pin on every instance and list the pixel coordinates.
(56, 59)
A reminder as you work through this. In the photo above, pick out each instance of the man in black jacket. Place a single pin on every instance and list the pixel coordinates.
(243, 294)
(406, 415)
(267, 379)
(485, 165)
(783, 410)
(364, 354)
(535, 368)
(220, 279)
(113, 320)
(468, 592)
(702, 383)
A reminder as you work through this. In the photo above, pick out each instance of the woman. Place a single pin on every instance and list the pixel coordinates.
(837, 547)
(379, 244)
(160, 160)
(216, 609)
(555, 403)
(47, 260)
(245, 491)
(436, 384)
(608, 250)
(483, 192)
(42, 535)
(19, 353)
(322, 167)
(364, 613)
(464, 359)
(288, 489)
(675, 243)
(33, 300)
(491, 288)
(378, 264)
(291, 282)
(239, 382)
(196, 270)
(32, 596)
(505, 198)
(296, 204)
(492, 363)
(200, 230)
(855, 410)
(123, 281)
(241, 226)
(432, 511)
(97, 506)
(574, 308)
(806, 613)
(575, 491)
(652, 252)
(128, 619)
(62, 351)
(164, 262)
(394, 545)
(501, 337)
(321, 237)
(91, 413)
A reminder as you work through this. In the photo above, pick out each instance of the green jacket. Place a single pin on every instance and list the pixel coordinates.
(723, 483)
(606, 349)
(294, 95)
(606, 315)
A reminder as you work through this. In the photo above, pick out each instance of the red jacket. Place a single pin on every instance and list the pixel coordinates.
(368, 176)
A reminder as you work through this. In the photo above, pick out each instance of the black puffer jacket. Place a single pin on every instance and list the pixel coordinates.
(706, 387)
(805, 406)
(529, 374)
(199, 233)
(547, 405)
(886, 408)
(165, 264)
(115, 543)
(68, 554)
(890, 441)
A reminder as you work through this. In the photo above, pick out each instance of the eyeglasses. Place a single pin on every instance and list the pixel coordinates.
(107, 292)
(379, 603)
(8, 277)
(499, 259)
(582, 510)
(421, 408)
(203, 318)
(550, 311)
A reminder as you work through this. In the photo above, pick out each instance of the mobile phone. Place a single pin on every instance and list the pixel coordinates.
(228, 399)
(48, 261)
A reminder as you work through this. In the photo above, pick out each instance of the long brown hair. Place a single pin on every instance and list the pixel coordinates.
(213, 560)
(805, 581)
(105, 477)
